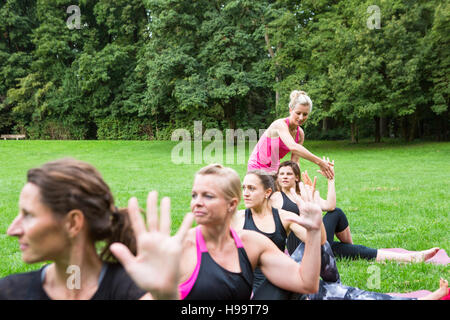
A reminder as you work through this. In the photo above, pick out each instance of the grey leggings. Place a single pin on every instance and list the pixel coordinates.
(330, 287)
(328, 270)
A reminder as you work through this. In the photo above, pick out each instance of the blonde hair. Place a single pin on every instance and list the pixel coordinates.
(299, 97)
(231, 182)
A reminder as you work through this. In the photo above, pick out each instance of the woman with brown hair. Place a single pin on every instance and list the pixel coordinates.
(65, 209)
(335, 220)
(276, 225)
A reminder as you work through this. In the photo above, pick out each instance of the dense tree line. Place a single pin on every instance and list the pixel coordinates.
(138, 69)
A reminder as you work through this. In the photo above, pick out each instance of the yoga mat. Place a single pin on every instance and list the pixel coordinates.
(440, 257)
(416, 294)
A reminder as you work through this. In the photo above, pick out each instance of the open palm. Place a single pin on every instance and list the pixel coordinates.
(310, 216)
(155, 268)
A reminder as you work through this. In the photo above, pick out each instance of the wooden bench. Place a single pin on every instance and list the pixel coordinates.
(12, 136)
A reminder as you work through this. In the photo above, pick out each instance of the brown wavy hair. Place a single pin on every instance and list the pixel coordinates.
(69, 184)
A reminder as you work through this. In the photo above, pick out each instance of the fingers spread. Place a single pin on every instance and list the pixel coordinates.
(152, 211)
(165, 220)
(137, 223)
(123, 254)
(185, 226)
(305, 193)
(314, 185)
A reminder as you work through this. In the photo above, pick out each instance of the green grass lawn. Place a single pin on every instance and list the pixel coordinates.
(394, 195)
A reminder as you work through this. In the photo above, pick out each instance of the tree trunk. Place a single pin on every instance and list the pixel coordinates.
(445, 130)
(277, 95)
(377, 129)
(229, 115)
(404, 127)
(324, 124)
(420, 128)
(354, 132)
(412, 127)
(272, 55)
(384, 129)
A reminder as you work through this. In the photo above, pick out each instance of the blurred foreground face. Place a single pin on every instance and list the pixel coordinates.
(41, 235)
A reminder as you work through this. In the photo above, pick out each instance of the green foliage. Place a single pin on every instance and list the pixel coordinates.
(389, 206)
(229, 64)
(122, 129)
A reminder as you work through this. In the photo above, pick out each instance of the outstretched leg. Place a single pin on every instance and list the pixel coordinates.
(416, 256)
(439, 293)
(337, 291)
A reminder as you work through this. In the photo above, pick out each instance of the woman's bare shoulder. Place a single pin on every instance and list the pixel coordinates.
(278, 124)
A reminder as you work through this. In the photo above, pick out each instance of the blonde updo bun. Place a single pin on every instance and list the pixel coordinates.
(299, 97)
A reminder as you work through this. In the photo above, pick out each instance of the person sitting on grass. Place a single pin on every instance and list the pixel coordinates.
(275, 224)
(335, 220)
(217, 263)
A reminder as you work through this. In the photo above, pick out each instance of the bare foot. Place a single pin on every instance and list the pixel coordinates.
(439, 293)
(424, 255)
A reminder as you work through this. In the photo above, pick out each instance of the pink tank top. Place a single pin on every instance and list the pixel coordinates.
(213, 273)
(268, 151)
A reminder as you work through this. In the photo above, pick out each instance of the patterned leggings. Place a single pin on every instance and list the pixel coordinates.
(330, 287)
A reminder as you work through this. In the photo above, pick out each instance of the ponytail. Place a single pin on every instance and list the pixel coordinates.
(120, 231)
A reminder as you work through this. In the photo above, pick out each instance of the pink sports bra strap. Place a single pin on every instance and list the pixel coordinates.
(187, 286)
(201, 245)
(236, 238)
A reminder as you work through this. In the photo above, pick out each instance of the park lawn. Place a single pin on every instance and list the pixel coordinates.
(394, 195)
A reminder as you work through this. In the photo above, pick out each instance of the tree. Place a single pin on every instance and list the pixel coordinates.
(206, 58)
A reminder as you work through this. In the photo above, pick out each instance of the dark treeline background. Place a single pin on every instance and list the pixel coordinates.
(138, 69)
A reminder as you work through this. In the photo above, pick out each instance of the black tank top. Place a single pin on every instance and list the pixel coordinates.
(288, 204)
(292, 241)
(210, 281)
(278, 237)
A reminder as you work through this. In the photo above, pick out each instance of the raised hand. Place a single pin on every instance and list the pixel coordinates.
(326, 173)
(307, 180)
(310, 213)
(155, 268)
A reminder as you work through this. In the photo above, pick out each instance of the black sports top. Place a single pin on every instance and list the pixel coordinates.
(114, 284)
(278, 237)
(288, 204)
(292, 241)
(210, 281)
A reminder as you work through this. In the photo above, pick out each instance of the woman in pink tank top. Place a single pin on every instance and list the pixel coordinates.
(212, 261)
(284, 136)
